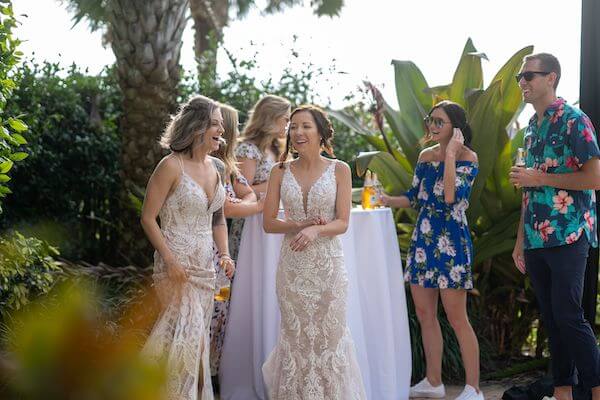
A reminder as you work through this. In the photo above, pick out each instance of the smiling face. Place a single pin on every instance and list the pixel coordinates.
(540, 86)
(439, 125)
(211, 140)
(304, 134)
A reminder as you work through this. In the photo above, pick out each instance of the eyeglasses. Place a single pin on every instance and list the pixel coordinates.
(435, 121)
(529, 75)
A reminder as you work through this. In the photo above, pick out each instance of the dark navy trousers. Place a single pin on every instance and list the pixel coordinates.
(557, 275)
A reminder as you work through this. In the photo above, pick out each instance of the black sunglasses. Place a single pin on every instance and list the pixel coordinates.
(529, 75)
(435, 121)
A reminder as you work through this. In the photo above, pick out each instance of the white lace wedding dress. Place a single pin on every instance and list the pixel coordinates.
(180, 337)
(314, 358)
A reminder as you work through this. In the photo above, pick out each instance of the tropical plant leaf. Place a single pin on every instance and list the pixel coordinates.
(508, 194)
(393, 177)
(413, 100)
(468, 74)
(409, 143)
(350, 121)
(379, 144)
(510, 89)
(486, 126)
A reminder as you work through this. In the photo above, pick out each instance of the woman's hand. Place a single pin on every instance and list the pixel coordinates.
(228, 265)
(518, 257)
(305, 237)
(525, 177)
(456, 143)
(385, 199)
(233, 200)
(176, 272)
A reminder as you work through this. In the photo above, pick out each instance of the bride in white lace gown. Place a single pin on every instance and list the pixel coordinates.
(186, 193)
(314, 358)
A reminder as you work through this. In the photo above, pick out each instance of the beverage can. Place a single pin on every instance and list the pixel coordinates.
(520, 158)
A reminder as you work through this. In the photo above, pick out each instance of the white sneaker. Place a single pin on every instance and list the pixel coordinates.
(470, 393)
(426, 390)
(549, 398)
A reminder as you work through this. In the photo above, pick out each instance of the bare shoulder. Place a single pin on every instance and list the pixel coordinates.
(277, 170)
(342, 171)
(342, 168)
(169, 165)
(428, 154)
(469, 155)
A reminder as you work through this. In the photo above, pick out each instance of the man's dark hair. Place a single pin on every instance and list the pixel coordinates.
(548, 63)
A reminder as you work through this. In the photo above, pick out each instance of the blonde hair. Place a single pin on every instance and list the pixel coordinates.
(231, 134)
(260, 126)
(191, 122)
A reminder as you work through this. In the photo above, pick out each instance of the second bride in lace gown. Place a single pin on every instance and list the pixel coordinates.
(314, 358)
(186, 194)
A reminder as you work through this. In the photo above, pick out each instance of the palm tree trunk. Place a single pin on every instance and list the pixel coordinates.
(210, 17)
(146, 40)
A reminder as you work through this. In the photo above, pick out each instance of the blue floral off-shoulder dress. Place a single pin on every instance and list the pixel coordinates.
(441, 251)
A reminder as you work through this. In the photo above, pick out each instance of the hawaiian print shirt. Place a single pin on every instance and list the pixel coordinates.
(561, 144)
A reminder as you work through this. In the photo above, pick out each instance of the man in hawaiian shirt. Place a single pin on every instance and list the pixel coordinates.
(558, 221)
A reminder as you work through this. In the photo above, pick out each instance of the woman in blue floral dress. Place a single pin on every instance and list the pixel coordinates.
(438, 263)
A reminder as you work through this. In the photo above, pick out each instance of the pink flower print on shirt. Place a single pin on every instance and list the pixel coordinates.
(570, 125)
(573, 163)
(587, 134)
(573, 237)
(557, 114)
(589, 219)
(562, 201)
(544, 229)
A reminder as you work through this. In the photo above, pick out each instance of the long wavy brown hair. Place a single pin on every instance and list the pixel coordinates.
(190, 123)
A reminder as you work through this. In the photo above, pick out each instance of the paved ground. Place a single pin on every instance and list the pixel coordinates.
(491, 391)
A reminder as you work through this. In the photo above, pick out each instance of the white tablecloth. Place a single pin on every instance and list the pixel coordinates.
(377, 315)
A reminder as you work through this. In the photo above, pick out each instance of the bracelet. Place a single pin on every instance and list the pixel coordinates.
(225, 255)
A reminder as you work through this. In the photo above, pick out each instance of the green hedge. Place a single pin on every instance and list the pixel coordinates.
(66, 192)
(11, 127)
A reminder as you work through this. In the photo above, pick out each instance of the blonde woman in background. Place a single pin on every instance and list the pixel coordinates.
(240, 202)
(259, 149)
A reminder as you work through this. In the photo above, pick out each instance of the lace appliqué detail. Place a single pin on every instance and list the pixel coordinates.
(180, 337)
(315, 357)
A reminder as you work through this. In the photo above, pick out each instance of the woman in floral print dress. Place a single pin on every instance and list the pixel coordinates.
(240, 202)
(438, 263)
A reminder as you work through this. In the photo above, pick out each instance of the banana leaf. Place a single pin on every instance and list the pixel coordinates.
(393, 177)
(468, 74)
